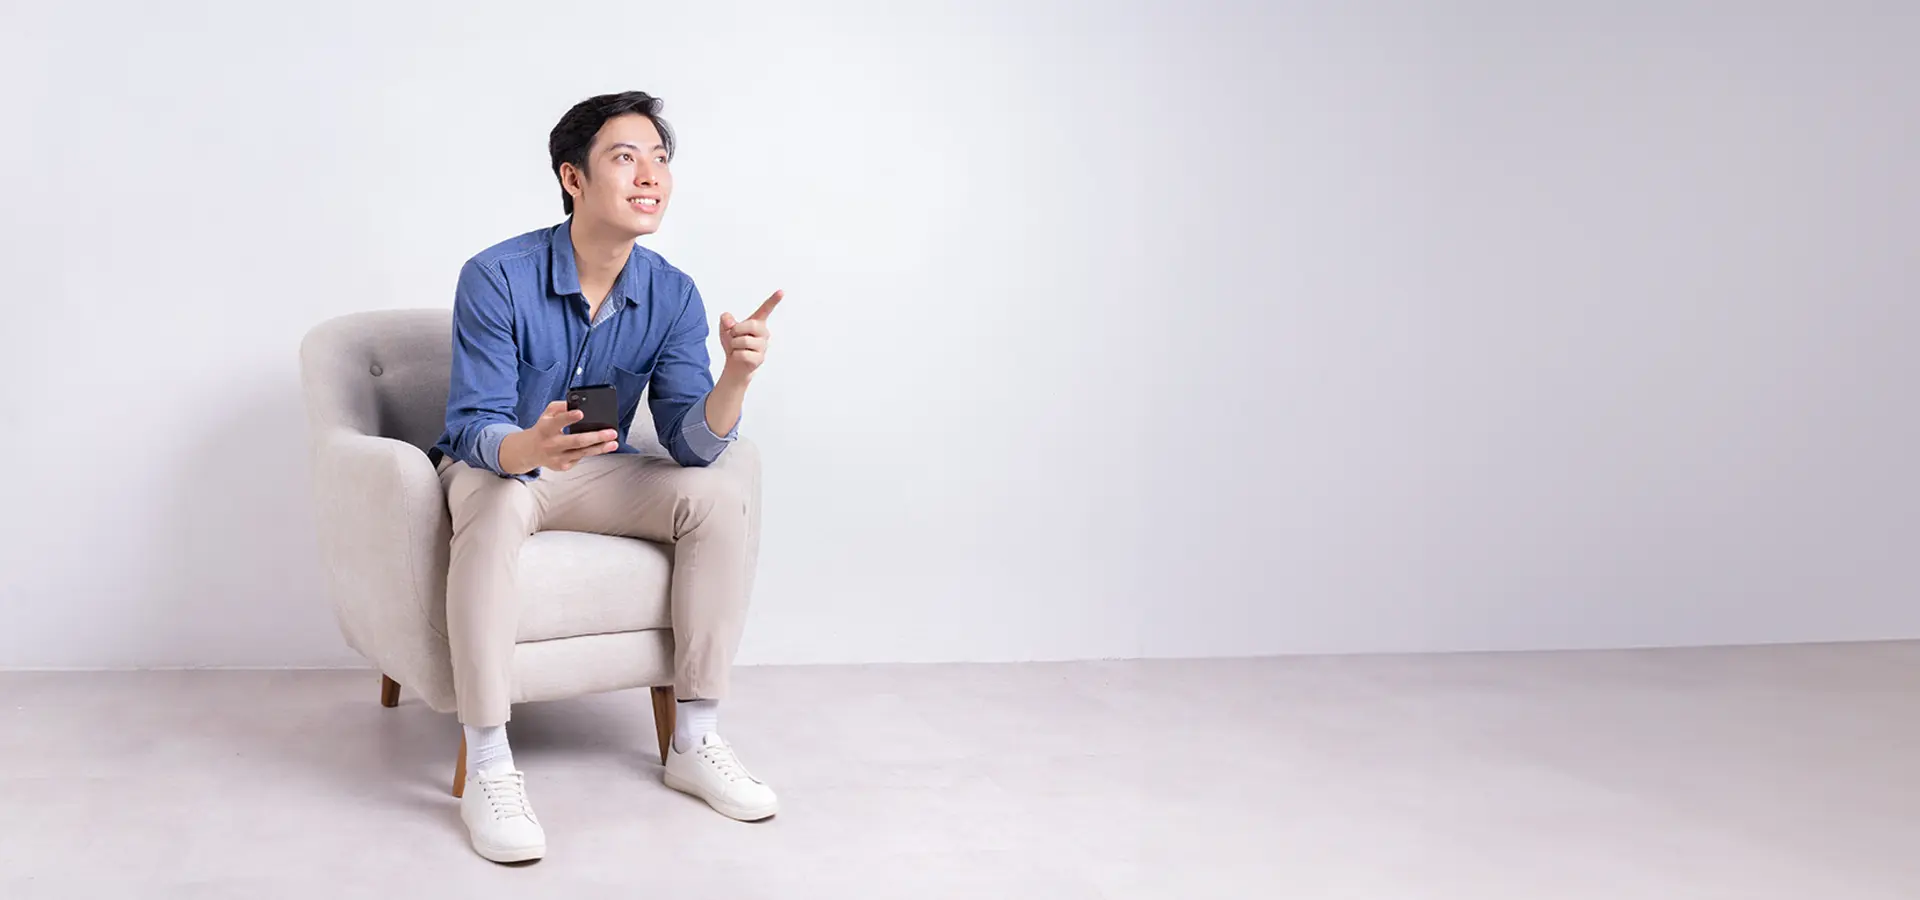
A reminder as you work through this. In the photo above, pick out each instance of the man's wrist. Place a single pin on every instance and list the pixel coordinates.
(732, 381)
(723, 403)
(510, 461)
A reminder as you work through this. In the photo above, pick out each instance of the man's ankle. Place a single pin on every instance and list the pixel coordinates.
(693, 720)
(487, 749)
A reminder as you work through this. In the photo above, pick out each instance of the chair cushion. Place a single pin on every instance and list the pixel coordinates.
(573, 584)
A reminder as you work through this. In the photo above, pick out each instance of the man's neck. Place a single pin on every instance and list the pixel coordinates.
(599, 259)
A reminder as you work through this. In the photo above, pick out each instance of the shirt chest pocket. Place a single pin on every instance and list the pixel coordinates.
(537, 388)
(630, 385)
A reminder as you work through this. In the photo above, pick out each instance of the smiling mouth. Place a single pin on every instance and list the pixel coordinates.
(645, 204)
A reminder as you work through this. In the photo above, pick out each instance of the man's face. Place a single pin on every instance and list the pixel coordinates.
(628, 184)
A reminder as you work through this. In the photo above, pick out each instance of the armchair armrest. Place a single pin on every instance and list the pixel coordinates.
(384, 533)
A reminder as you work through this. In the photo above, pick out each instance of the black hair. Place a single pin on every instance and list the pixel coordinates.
(573, 137)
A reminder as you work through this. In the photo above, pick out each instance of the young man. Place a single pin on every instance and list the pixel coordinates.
(578, 304)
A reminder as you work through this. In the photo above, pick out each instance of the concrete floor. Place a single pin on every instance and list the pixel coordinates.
(1784, 772)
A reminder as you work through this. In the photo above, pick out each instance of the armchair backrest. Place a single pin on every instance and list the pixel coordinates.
(381, 373)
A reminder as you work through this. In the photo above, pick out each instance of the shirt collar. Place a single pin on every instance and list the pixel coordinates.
(566, 273)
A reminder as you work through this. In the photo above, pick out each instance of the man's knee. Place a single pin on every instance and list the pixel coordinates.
(710, 497)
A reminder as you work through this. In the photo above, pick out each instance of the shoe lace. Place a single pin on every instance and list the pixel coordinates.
(507, 794)
(719, 754)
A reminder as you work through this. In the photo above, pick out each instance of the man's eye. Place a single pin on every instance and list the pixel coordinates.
(660, 159)
(626, 157)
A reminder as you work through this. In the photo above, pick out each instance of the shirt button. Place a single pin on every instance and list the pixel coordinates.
(580, 371)
(375, 370)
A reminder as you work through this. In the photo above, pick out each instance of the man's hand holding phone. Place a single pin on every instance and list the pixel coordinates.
(547, 445)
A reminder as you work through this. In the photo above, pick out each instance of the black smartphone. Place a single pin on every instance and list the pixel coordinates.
(600, 403)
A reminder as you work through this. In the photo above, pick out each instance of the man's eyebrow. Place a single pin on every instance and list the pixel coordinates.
(632, 147)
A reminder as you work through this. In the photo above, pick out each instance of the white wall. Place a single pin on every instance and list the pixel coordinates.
(1250, 328)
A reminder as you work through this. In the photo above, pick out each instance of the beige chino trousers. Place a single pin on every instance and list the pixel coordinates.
(703, 513)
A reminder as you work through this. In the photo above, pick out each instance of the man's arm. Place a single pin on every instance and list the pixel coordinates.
(745, 346)
(484, 388)
(724, 402)
(681, 393)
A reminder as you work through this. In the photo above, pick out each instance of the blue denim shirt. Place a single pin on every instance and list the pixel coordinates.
(521, 339)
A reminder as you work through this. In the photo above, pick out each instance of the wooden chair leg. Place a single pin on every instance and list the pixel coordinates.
(389, 692)
(663, 712)
(460, 767)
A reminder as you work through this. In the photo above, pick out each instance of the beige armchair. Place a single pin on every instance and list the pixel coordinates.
(594, 613)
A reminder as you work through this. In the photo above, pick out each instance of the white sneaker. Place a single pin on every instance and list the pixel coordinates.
(499, 820)
(711, 772)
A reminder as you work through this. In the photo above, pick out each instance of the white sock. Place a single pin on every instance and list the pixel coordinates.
(693, 720)
(487, 748)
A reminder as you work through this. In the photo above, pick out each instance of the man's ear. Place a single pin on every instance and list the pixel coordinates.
(572, 180)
